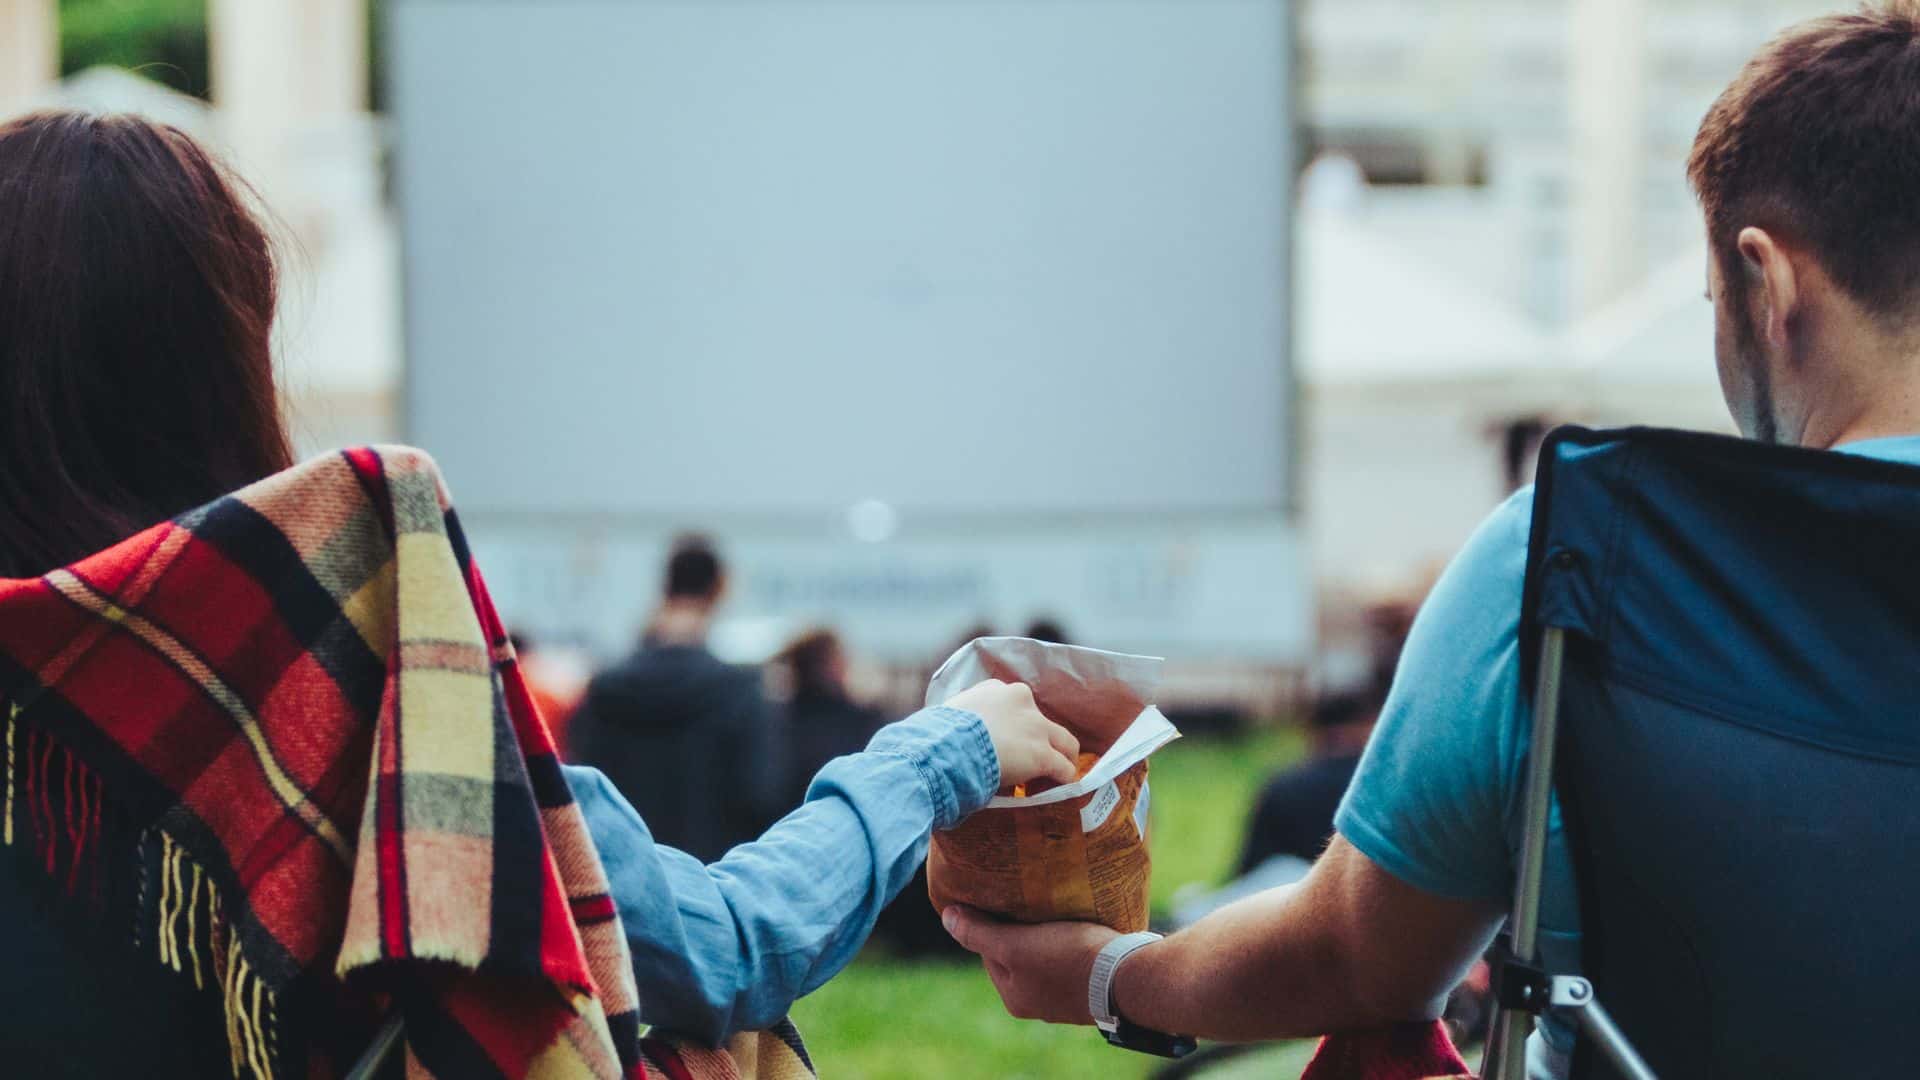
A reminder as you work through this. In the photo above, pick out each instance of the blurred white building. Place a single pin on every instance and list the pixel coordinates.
(1519, 241)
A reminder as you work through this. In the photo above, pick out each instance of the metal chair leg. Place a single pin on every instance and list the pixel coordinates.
(1507, 1043)
(386, 1042)
(1595, 1024)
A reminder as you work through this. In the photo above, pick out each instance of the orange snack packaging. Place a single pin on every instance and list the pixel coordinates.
(1071, 851)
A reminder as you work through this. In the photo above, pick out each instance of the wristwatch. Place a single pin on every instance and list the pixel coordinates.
(1118, 1031)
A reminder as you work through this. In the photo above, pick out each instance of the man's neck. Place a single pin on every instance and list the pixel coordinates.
(680, 622)
(1873, 394)
(1897, 414)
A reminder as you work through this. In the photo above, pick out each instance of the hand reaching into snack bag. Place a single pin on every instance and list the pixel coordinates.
(1029, 746)
(1048, 883)
(1065, 838)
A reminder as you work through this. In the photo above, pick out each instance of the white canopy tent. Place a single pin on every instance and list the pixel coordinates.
(1405, 371)
(1372, 314)
(1647, 358)
(1408, 373)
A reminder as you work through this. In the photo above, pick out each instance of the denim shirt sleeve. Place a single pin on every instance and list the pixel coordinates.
(729, 947)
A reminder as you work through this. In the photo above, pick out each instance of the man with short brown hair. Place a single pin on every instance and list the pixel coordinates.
(1808, 171)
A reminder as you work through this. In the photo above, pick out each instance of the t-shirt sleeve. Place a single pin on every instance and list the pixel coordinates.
(1429, 801)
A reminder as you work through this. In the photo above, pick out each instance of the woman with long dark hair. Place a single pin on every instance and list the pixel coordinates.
(137, 294)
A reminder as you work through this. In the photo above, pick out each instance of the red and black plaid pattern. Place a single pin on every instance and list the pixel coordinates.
(1412, 1051)
(328, 777)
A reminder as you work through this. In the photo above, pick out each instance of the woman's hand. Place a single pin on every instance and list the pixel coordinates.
(1029, 745)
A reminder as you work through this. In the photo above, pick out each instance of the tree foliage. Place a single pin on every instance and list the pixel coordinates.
(164, 40)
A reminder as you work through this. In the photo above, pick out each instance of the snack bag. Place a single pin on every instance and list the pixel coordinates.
(1071, 851)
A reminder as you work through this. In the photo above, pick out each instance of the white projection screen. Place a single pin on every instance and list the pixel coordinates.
(718, 259)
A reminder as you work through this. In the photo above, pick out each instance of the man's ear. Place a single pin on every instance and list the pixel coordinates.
(1773, 284)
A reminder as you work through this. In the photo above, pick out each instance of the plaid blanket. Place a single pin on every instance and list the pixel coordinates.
(755, 1055)
(1412, 1051)
(280, 745)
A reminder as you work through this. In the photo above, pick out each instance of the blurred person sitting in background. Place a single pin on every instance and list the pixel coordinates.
(1048, 630)
(1806, 169)
(909, 926)
(821, 719)
(690, 740)
(1293, 816)
(137, 296)
(824, 722)
(976, 630)
(555, 683)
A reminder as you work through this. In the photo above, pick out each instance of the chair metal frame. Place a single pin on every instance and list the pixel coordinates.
(386, 1043)
(1522, 990)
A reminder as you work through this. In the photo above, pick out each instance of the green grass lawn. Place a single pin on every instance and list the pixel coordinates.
(885, 1018)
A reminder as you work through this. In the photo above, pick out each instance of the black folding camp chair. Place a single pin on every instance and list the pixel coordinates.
(1724, 638)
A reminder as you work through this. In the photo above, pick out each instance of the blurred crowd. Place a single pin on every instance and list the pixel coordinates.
(743, 742)
(712, 753)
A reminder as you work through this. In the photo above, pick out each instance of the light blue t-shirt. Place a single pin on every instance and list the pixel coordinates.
(1436, 799)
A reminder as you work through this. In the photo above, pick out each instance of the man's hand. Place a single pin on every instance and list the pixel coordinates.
(1351, 947)
(1028, 744)
(1041, 970)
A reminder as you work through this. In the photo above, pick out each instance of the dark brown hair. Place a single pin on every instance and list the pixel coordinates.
(1818, 142)
(694, 569)
(809, 659)
(137, 294)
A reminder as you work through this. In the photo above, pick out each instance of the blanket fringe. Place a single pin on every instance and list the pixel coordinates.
(250, 1017)
(62, 817)
(53, 803)
(189, 926)
(181, 889)
(6, 813)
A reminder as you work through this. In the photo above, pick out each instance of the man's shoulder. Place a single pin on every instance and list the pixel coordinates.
(672, 661)
(1428, 801)
(1512, 520)
(712, 669)
(690, 671)
(1483, 583)
(652, 672)
(1499, 545)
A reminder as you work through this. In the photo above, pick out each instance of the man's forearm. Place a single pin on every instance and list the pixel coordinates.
(1244, 973)
(1334, 953)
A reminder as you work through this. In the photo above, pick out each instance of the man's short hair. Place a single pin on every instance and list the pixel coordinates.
(693, 569)
(1818, 142)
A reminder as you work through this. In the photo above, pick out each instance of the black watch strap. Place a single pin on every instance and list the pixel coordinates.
(1130, 1036)
(1117, 1030)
